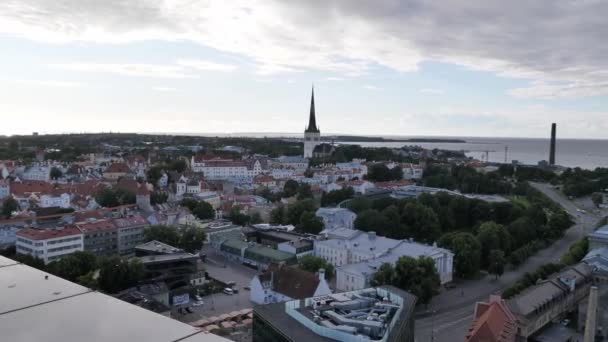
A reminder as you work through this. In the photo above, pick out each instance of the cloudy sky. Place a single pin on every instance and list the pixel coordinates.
(448, 68)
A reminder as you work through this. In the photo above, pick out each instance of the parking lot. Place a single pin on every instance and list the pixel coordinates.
(219, 303)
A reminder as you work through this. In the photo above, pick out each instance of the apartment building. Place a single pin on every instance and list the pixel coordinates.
(49, 244)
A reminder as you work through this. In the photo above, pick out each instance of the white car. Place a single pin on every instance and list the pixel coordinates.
(198, 298)
(228, 291)
(198, 303)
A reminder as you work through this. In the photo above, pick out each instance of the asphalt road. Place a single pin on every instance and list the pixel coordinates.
(451, 312)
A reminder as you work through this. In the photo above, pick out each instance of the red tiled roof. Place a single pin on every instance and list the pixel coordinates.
(133, 186)
(291, 281)
(392, 184)
(27, 188)
(96, 226)
(118, 168)
(209, 157)
(45, 234)
(493, 322)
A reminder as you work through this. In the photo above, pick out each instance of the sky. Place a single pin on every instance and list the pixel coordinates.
(384, 67)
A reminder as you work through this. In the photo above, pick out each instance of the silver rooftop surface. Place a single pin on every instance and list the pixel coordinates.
(33, 308)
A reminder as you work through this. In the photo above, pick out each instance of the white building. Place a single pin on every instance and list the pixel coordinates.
(5, 189)
(290, 162)
(51, 200)
(37, 173)
(312, 134)
(357, 254)
(334, 218)
(217, 169)
(412, 171)
(283, 283)
(49, 244)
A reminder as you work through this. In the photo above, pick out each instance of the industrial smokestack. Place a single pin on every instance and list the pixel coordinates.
(552, 151)
(590, 323)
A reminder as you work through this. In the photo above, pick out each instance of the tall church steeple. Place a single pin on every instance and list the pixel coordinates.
(312, 120)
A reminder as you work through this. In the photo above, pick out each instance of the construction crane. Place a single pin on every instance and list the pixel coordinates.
(486, 153)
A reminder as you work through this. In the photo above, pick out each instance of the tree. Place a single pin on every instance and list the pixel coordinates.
(158, 197)
(421, 222)
(237, 217)
(178, 165)
(372, 220)
(309, 223)
(313, 263)
(9, 206)
(73, 266)
(467, 252)
(117, 274)
(191, 239)
(417, 276)
(597, 198)
(290, 188)
(309, 173)
(56, 173)
(379, 173)
(359, 204)
(203, 211)
(30, 260)
(278, 215)
(384, 276)
(334, 197)
(496, 262)
(154, 173)
(189, 203)
(295, 210)
(164, 234)
(304, 191)
(492, 236)
(255, 218)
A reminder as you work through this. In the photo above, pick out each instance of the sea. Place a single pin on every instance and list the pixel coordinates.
(583, 153)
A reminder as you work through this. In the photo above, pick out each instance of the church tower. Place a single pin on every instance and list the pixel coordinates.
(312, 135)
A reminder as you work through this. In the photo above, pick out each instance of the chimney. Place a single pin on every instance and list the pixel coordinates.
(371, 235)
(321, 273)
(590, 322)
(552, 149)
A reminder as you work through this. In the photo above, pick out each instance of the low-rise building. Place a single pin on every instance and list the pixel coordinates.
(174, 269)
(116, 170)
(254, 255)
(293, 243)
(55, 200)
(282, 283)
(599, 238)
(100, 236)
(49, 244)
(375, 314)
(334, 218)
(549, 299)
(130, 232)
(37, 173)
(215, 169)
(5, 189)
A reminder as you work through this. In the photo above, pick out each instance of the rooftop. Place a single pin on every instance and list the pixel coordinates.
(92, 226)
(158, 247)
(291, 281)
(493, 322)
(150, 259)
(29, 295)
(45, 234)
(600, 233)
(362, 315)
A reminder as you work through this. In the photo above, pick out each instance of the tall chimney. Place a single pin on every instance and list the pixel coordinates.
(590, 323)
(552, 151)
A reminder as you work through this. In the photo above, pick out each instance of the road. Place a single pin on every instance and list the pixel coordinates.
(450, 313)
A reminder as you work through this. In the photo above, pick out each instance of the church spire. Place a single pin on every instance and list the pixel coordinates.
(312, 120)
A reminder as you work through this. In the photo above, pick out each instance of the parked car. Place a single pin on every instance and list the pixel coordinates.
(230, 283)
(246, 288)
(198, 298)
(228, 291)
(198, 303)
(235, 290)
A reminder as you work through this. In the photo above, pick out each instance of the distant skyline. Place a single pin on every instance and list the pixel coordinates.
(408, 68)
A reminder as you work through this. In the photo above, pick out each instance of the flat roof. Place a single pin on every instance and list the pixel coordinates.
(269, 252)
(55, 310)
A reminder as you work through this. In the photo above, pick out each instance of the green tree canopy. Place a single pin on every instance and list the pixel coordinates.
(417, 276)
(290, 188)
(496, 262)
(467, 252)
(313, 263)
(421, 223)
(9, 206)
(203, 211)
(278, 215)
(117, 274)
(164, 234)
(309, 223)
(295, 210)
(73, 266)
(191, 239)
(492, 236)
(56, 173)
(304, 191)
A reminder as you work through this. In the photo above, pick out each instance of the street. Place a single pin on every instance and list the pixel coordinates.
(450, 313)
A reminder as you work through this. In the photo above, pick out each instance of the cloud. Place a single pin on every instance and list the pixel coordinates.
(431, 91)
(335, 79)
(558, 43)
(139, 70)
(165, 89)
(371, 87)
(49, 83)
(200, 64)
